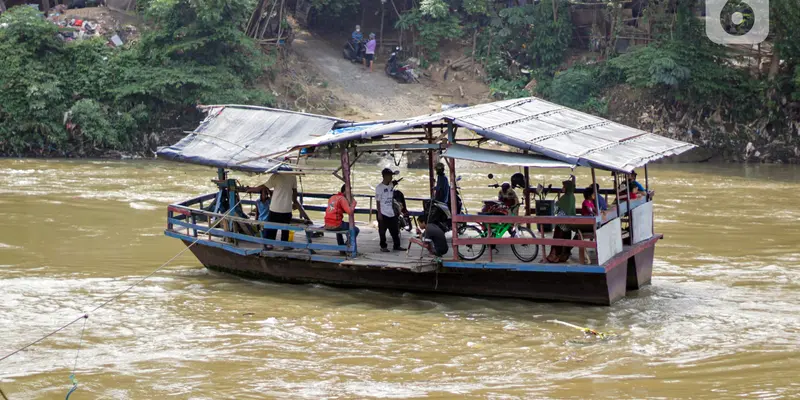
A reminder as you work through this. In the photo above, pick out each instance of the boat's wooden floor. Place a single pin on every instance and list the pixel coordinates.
(415, 259)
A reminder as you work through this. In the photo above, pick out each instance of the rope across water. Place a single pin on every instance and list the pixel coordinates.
(85, 316)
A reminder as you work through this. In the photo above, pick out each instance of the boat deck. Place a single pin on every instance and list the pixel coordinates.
(415, 258)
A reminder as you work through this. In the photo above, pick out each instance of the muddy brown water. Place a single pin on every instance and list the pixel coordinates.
(721, 320)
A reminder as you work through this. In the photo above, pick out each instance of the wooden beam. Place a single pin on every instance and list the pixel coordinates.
(509, 241)
(506, 219)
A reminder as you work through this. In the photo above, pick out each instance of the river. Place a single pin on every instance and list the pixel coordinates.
(721, 320)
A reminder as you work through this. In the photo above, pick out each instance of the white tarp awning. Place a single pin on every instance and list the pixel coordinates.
(461, 152)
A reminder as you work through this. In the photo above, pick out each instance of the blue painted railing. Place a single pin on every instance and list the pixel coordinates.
(183, 215)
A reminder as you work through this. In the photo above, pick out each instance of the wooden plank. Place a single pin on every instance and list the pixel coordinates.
(630, 251)
(556, 268)
(506, 219)
(368, 263)
(510, 241)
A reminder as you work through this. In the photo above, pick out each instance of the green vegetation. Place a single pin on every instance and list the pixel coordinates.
(79, 98)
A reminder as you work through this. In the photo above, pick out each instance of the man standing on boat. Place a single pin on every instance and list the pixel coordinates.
(387, 219)
(441, 192)
(284, 200)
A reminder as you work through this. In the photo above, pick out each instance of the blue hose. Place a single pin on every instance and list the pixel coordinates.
(74, 386)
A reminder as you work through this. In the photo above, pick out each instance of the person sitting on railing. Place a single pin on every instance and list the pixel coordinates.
(566, 208)
(626, 190)
(632, 180)
(509, 197)
(438, 243)
(334, 216)
(262, 204)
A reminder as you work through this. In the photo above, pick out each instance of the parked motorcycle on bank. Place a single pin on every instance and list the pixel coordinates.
(354, 50)
(403, 73)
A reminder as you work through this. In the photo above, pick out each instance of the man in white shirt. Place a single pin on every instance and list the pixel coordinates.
(387, 219)
(284, 200)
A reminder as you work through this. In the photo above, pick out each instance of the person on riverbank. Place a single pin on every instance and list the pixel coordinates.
(438, 243)
(338, 206)
(357, 36)
(369, 56)
(284, 200)
(387, 219)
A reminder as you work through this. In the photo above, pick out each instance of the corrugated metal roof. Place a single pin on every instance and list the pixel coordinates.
(461, 152)
(545, 128)
(246, 138)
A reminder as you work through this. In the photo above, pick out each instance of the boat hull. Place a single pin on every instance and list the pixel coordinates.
(595, 288)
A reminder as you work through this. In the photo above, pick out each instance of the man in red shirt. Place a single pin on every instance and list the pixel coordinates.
(334, 215)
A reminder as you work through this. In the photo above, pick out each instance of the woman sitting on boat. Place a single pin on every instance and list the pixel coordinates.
(338, 206)
(509, 197)
(262, 204)
(566, 208)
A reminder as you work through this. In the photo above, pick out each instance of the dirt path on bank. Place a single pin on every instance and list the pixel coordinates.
(363, 95)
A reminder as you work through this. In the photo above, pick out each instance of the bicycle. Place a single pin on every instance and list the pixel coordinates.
(523, 252)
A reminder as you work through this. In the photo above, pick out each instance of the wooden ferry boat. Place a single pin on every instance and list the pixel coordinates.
(613, 256)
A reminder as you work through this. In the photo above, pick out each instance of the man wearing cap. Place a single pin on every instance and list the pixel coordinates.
(387, 219)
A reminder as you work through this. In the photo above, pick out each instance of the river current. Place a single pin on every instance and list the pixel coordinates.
(721, 319)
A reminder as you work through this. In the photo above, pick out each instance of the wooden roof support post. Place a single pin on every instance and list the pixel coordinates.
(616, 190)
(527, 191)
(453, 198)
(628, 199)
(453, 205)
(351, 218)
(596, 195)
(431, 179)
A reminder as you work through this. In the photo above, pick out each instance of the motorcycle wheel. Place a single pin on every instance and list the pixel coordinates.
(471, 252)
(525, 252)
